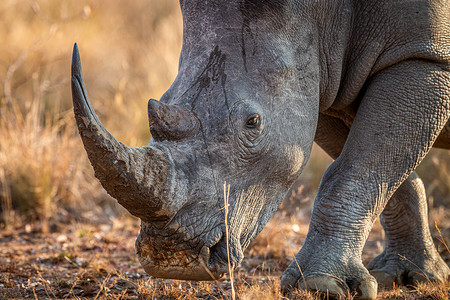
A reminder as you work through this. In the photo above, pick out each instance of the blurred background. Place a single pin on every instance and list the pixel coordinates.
(129, 52)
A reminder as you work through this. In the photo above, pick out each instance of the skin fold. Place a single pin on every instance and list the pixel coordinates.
(258, 82)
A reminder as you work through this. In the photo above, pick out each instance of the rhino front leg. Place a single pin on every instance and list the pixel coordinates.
(400, 116)
(409, 255)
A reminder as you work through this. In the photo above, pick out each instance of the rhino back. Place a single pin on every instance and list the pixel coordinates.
(387, 32)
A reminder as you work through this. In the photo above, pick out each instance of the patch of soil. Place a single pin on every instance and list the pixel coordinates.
(98, 262)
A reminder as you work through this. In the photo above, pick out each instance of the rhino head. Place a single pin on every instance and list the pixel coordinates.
(242, 110)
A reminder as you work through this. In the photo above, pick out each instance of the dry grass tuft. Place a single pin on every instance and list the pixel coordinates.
(422, 290)
(432, 290)
(42, 173)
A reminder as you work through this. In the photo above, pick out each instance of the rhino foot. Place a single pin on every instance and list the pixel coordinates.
(334, 287)
(337, 276)
(408, 269)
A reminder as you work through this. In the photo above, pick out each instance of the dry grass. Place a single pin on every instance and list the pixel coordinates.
(43, 168)
(62, 236)
(41, 171)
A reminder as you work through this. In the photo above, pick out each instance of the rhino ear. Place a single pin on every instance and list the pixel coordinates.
(170, 122)
(135, 176)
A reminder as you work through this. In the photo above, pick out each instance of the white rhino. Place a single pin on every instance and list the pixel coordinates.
(258, 82)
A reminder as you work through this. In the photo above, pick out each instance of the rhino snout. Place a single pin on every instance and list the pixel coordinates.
(176, 255)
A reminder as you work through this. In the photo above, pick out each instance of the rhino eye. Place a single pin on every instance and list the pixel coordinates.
(253, 121)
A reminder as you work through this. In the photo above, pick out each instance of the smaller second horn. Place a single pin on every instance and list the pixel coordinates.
(170, 122)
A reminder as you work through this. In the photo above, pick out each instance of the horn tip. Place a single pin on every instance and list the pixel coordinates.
(153, 103)
(76, 62)
(81, 103)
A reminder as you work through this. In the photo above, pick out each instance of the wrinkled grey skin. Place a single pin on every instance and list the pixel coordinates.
(258, 82)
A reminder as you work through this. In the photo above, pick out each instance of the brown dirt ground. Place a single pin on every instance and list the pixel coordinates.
(83, 261)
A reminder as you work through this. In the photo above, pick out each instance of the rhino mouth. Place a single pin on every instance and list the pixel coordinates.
(193, 260)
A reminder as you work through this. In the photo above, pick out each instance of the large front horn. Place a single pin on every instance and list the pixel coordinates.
(136, 176)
